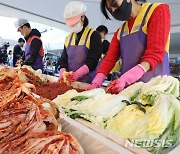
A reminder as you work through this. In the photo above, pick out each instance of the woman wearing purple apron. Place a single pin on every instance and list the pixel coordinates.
(142, 42)
(82, 48)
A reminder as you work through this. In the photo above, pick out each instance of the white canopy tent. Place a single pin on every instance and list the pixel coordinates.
(51, 13)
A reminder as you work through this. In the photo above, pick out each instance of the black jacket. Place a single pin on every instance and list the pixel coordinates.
(1, 56)
(34, 47)
(105, 46)
(16, 53)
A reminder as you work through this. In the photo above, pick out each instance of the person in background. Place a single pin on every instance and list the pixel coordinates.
(103, 30)
(4, 54)
(17, 51)
(142, 42)
(22, 55)
(10, 58)
(82, 48)
(1, 54)
(34, 51)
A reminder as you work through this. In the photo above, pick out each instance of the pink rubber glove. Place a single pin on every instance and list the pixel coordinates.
(83, 70)
(126, 79)
(97, 82)
(61, 74)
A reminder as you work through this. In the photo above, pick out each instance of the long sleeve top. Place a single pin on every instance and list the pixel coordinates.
(158, 29)
(94, 53)
(35, 47)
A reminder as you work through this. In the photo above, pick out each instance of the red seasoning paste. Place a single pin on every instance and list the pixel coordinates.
(52, 90)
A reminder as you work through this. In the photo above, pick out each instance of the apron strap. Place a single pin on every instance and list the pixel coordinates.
(145, 15)
(87, 37)
(122, 30)
(143, 21)
(70, 40)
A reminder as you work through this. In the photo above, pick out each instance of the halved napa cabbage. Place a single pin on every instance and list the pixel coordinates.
(167, 84)
(97, 105)
(160, 122)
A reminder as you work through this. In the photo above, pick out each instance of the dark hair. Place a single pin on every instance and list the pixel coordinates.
(27, 25)
(102, 28)
(21, 40)
(86, 21)
(103, 7)
(10, 51)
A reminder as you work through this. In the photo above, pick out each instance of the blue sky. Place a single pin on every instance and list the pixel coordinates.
(53, 38)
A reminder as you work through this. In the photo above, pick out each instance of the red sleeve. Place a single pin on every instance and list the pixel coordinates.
(158, 29)
(112, 56)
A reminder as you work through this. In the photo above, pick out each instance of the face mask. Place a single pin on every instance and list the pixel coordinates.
(77, 27)
(123, 12)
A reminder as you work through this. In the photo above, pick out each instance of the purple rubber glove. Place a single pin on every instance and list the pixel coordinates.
(61, 74)
(126, 79)
(97, 82)
(83, 70)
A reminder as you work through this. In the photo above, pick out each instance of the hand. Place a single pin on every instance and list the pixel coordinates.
(116, 86)
(62, 70)
(92, 86)
(83, 70)
(97, 81)
(126, 79)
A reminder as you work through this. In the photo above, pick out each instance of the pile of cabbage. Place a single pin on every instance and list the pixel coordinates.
(146, 114)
